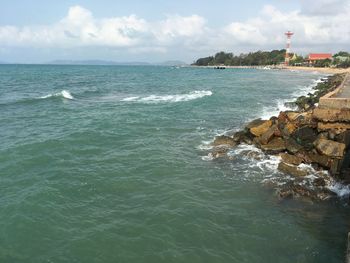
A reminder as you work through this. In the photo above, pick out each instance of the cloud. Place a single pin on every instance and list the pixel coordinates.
(324, 7)
(80, 28)
(318, 27)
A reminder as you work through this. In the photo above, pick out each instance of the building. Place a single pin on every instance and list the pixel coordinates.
(314, 57)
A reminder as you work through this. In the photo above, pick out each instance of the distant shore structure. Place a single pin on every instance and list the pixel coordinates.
(289, 35)
(314, 57)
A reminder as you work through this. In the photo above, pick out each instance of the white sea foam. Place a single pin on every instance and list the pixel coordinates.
(208, 157)
(281, 105)
(170, 98)
(340, 189)
(64, 94)
(131, 99)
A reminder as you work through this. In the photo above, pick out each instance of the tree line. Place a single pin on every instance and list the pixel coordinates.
(258, 58)
(274, 57)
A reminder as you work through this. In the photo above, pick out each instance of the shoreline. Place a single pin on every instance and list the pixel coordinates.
(320, 70)
(282, 67)
(308, 150)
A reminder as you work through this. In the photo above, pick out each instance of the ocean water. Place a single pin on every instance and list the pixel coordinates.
(109, 164)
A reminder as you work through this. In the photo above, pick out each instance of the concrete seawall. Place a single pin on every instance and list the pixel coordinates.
(339, 98)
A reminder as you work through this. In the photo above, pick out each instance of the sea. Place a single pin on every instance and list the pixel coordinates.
(111, 164)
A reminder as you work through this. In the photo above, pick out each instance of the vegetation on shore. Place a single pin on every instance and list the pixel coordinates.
(258, 58)
(266, 58)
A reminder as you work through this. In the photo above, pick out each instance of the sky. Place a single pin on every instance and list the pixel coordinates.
(39, 31)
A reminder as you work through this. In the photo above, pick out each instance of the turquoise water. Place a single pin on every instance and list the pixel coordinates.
(108, 164)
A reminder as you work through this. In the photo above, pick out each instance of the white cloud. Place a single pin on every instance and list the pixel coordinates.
(313, 25)
(324, 7)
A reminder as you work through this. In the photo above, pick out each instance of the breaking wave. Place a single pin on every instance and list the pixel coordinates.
(170, 98)
(257, 164)
(285, 105)
(64, 94)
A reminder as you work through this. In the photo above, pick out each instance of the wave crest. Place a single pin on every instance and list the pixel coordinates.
(64, 94)
(170, 98)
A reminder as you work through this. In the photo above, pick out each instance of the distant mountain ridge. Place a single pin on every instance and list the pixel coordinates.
(105, 62)
(172, 63)
(94, 62)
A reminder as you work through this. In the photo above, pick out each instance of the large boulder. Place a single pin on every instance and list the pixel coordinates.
(292, 115)
(275, 146)
(294, 189)
(288, 129)
(292, 146)
(268, 135)
(291, 169)
(282, 117)
(254, 123)
(330, 148)
(224, 140)
(242, 137)
(305, 118)
(291, 159)
(305, 136)
(261, 128)
(219, 151)
(343, 137)
(322, 160)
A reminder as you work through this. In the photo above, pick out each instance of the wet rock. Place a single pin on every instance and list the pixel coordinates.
(275, 146)
(292, 115)
(261, 128)
(343, 137)
(220, 151)
(288, 129)
(224, 140)
(277, 132)
(291, 169)
(323, 135)
(254, 123)
(292, 146)
(242, 137)
(253, 155)
(305, 118)
(268, 135)
(292, 190)
(291, 159)
(305, 136)
(319, 182)
(282, 117)
(330, 148)
(319, 159)
(274, 119)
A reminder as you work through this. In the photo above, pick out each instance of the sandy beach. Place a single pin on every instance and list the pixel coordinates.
(322, 70)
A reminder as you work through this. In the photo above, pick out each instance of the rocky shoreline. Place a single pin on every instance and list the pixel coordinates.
(312, 152)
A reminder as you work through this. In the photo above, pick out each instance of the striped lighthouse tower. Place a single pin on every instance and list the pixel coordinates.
(289, 36)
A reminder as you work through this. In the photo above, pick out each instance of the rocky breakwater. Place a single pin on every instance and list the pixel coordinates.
(311, 143)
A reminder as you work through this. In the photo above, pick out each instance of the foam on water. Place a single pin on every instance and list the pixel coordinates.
(282, 105)
(340, 189)
(64, 94)
(170, 98)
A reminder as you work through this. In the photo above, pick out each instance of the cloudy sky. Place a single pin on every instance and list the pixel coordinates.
(158, 30)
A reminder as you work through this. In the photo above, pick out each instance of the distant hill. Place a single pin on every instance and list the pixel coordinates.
(93, 62)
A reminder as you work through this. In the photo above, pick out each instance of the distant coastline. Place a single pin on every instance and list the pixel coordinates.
(282, 67)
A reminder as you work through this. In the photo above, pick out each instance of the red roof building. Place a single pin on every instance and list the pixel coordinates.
(319, 56)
